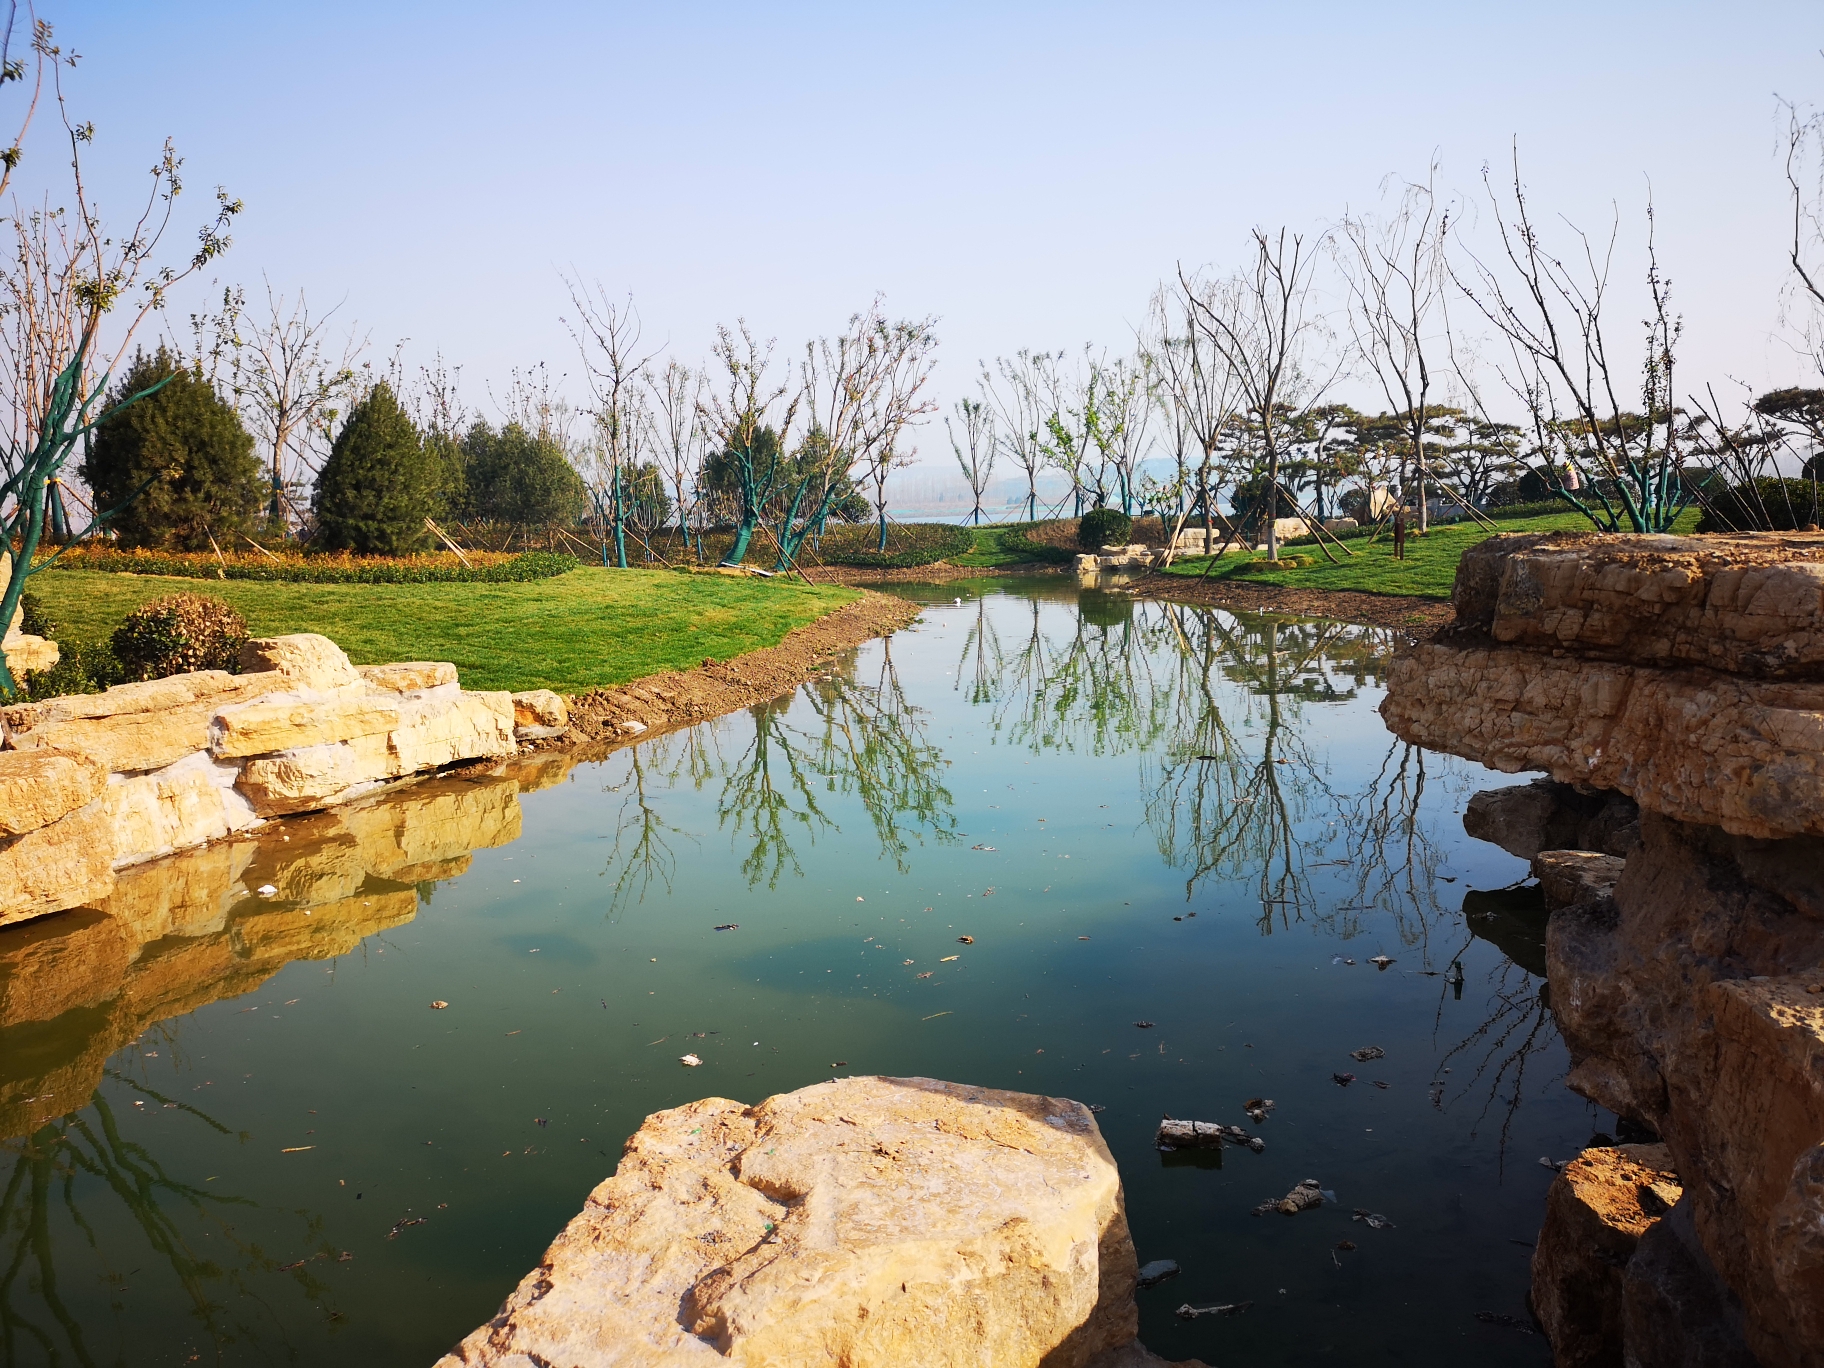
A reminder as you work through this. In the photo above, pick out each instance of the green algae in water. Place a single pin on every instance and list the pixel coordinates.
(238, 1129)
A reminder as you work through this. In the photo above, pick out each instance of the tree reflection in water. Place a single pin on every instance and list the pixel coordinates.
(862, 739)
(68, 1165)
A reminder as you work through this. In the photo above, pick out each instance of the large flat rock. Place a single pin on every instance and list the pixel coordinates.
(1751, 605)
(866, 1221)
(1746, 755)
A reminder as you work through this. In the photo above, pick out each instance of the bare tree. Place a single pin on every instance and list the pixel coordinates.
(1119, 421)
(736, 416)
(1016, 396)
(1263, 327)
(67, 274)
(607, 334)
(975, 453)
(880, 370)
(1396, 275)
(675, 395)
(1198, 381)
(1559, 368)
(289, 385)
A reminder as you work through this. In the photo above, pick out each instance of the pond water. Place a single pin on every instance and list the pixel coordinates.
(237, 1133)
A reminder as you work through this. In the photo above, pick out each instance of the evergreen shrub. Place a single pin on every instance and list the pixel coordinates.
(1103, 527)
(178, 634)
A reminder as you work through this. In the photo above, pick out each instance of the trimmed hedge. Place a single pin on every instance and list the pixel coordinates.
(908, 545)
(531, 565)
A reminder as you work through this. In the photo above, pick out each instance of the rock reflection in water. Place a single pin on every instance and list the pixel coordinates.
(176, 934)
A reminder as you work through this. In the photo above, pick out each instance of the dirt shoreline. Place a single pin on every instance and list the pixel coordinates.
(941, 573)
(604, 718)
(1420, 616)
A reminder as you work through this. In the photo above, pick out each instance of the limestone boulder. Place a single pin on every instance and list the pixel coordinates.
(67, 863)
(1567, 877)
(185, 804)
(1742, 754)
(411, 676)
(39, 786)
(293, 721)
(539, 713)
(135, 728)
(1692, 1001)
(866, 1221)
(1750, 605)
(304, 659)
(26, 653)
(1596, 1211)
(1547, 815)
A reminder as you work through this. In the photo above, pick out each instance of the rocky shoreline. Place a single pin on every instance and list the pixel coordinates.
(1673, 691)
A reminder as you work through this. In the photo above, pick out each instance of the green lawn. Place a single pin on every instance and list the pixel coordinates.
(1428, 571)
(587, 628)
(996, 545)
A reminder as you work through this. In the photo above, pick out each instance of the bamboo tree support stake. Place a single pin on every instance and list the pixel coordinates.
(444, 537)
(222, 571)
(788, 558)
(257, 547)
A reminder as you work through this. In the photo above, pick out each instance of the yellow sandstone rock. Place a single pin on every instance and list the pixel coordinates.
(306, 660)
(295, 721)
(37, 787)
(865, 1222)
(411, 676)
(65, 864)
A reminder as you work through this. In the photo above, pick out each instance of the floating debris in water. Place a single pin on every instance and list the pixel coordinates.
(1156, 1272)
(966, 940)
(1380, 961)
(1189, 1312)
(729, 926)
(401, 1225)
(1257, 1108)
(689, 1061)
(1342, 1080)
(438, 1005)
(1372, 1219)
(1505, 1322)
(1146, 1025)
(1366, 1053)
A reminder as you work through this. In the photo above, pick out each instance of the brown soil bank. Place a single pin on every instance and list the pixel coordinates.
(681, 698)
(1341, 605)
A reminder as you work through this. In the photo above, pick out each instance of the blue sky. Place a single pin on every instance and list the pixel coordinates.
(1026, 173)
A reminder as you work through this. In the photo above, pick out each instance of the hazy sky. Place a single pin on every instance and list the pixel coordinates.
(1026, 173)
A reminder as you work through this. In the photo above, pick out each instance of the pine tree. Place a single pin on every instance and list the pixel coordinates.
(181, 456)
(379, 483)
(512, 476)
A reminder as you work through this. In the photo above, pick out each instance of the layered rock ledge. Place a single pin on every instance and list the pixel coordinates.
(1673, 691)
(92, 784)
(864, 1222)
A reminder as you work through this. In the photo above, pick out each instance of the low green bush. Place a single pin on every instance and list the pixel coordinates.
(82, 668)
(33, 620)
(530, 565)
(178, 634)
(1103, 527)
(1788, 504)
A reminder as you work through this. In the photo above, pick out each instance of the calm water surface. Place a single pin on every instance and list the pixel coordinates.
(237, 1132)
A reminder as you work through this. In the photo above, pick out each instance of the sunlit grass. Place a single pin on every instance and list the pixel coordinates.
(588, 628)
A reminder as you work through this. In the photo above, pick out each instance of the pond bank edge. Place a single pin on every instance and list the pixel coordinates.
(1419, 616)
(606, 718)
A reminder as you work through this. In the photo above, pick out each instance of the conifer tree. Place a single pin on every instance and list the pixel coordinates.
(379, 483)
(514, 476)
(188, 452)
